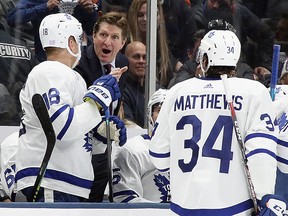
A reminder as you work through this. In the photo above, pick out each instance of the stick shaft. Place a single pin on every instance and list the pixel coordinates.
(274, 75)
(109, 156)
(240, 142)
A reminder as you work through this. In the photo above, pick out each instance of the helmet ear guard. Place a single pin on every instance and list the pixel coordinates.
(219, 48)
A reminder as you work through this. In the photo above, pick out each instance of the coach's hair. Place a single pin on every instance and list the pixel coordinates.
(113, 18)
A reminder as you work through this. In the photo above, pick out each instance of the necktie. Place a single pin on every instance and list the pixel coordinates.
(108, 68)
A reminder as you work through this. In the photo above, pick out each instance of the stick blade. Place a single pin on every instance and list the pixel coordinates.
(43, 116)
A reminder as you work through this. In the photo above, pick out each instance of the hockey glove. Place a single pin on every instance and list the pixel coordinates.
(272, 205)
(118, 131)
(104, 91)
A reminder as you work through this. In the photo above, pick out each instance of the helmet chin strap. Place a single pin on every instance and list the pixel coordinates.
(77, 55)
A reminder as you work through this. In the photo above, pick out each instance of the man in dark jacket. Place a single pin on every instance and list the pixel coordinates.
(134, 91)
(110, 33)
(255, 36)
(35, 10)
(16, 60)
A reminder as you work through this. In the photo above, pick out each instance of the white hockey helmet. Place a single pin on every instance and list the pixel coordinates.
(157, 97)
(222, 48)
(55, 29)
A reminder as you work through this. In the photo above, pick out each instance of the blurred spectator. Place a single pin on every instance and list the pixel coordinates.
(179, 23)
(110, 33)
(123, 3)
(180, 26)
(108, 7)
(166, 63)
(191, 68)
(281, 33)
(256, 37)
(258, 7)
(35, 10)
(284, 74)
(275, 8)
(16, 60)
(22, 32)
(281, 38)
(134, 92)
(188, 2)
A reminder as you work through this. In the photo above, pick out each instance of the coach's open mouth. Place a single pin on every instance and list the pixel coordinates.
(106, 51)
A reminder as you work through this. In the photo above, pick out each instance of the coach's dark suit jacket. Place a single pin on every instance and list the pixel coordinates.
(90, 69)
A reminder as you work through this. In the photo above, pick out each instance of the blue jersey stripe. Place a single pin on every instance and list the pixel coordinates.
(257, 151)
(282, 160)
(282, 143)
(125, 192)
(146, 136)
(131, 195)
(58, 112)
(260, 135)
(128, 199)
(67, 124)
(232, 210)
(56, 175)
(158, 155)
(164, 170)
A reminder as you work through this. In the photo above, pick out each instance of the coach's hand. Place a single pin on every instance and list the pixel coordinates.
(104, 91)
(117, 72)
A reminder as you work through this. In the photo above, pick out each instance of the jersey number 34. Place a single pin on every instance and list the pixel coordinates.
(225, 155)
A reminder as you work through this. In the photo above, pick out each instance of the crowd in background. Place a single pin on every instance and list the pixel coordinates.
(181, 24)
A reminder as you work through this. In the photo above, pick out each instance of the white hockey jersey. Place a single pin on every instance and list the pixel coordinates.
(8, 151)
(69, 169)
(194, 138)
(281, 106)
(135, 178)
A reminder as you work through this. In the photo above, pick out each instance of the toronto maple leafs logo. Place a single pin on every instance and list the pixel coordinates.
(88, 142)
(282, 121)
(163, 185)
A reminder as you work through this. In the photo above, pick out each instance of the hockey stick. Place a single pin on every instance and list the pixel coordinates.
(43, 116)
(109, 153)
(240, 143)
(274, 75)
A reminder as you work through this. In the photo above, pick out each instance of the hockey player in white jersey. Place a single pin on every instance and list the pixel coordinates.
(8, 150)
(69, 174)
(194, 138)
(281, 107)
(135, 177)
